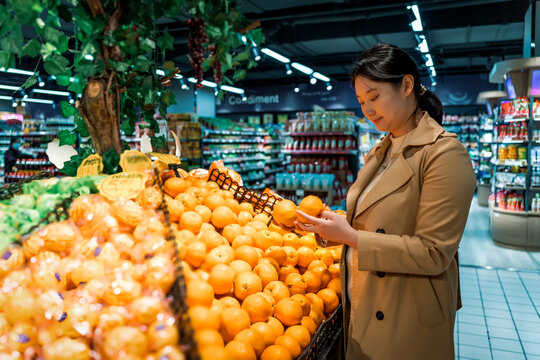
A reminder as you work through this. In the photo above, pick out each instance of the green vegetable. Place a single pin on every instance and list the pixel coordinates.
(25, 201)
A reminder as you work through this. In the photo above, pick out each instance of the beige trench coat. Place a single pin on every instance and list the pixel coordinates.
(405, 280)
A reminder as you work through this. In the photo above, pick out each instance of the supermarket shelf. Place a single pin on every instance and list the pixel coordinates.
(240, 133)
(512, 141)
(515, 212)
(254, 178)
(519, 188)
(320, 152)
(329, 133)
(190, 159)
(269, 142)
(131, 139)
(232, 151)
(273, 171)
(236, 160)
(37, 133)
(535, 188)
(371, 131)
(247, 169)
(189, 140)
(232, 141)
(275, 161)
(521, 163)
(508, 119)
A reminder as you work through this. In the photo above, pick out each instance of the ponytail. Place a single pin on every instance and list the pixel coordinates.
(430, 103)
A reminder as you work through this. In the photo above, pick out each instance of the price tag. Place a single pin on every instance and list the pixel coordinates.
(125, 185)
(135, 161)
(166, 158)
(300, 192)
(92, 165)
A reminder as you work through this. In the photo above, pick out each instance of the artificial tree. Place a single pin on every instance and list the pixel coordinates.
(108, 51)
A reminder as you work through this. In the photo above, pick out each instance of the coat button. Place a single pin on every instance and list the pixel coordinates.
(381, 231)
(381, 274)
(379, 315)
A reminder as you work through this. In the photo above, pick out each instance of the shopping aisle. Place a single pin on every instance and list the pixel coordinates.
(500, 290)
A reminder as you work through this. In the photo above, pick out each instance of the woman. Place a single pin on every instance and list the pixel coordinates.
(406, 214)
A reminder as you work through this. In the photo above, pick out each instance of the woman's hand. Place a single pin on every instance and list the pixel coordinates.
(330, 226)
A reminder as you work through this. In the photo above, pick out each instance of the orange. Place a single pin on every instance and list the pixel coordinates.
(276, 352)
(227, 194)
(222, 279)
(309, 324)
(296, 284)
(199, 293)
(276, 326)
(254, 338)
(270, 300)
(241, 350)
(249, 230)
(195, 253)
(290, 344)
(303, 302)
(305, 256)
(259, 226)
(233, 205)
(285, 270)
(315, 264)
(217, 307)
(317, 316)
(261, 218)
(323, 273)
(176, 209)
(266, 272)
(240, 266)
(292, 240)
(315, 301)
(245, 284)
(289, 312)
(211, 238)
(335, 284)
(266, 330)
(231, 231)
(330, 299)
(244, 218)
(258, 307)
(222, 254)
(264, 239)
(269, 261)
(204, 211)
(300, 334)
(273, 227)
(208, 337)
(174, 186)
(223, 216)
(309, 242)
(215, 353)
(277, 253)
(189, 201)
(248, 254)
(313, 281)
(334, 270)
(192, 221)
(278, 290)
(241, 240)
(229, 301)
(198, 193)
(245, 206)
(325, 256)
(233, 320)
(336, 253)
(211, 185)
(203, 275)
(292, 256)
(203, 318)
(213, 201)
(310, 205)
(284, 213)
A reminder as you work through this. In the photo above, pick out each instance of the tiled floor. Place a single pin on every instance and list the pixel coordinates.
(500, 290)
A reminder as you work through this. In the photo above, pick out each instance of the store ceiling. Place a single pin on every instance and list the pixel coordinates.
(464, 36)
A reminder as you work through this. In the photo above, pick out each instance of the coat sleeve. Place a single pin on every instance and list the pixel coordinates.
(447, 191)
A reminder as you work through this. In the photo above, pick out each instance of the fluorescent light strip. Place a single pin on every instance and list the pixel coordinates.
(52, 92)
(416, 24)
(275, 55)
(204, 82)
(41, 101)
(178, 76)
(2, 97)
(321, 77)
(232, 89)
(423, 47)
(302, 68)
(9, 87)
(18, 71)
(160, 72)
(429, 61)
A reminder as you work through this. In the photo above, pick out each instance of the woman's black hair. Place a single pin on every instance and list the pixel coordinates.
(389, 63)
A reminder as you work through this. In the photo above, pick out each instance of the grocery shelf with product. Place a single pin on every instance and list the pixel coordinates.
(468, 130)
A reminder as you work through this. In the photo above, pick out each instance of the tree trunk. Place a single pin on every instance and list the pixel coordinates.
(99, 112)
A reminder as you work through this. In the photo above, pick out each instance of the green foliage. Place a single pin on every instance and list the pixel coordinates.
(110, 161)
(67, 137)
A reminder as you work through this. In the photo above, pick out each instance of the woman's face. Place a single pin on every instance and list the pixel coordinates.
(387, 106)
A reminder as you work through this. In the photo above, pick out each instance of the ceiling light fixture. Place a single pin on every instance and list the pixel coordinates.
(296, 89)
(21, 72)
(328, 86)
(256, 53)
(312, 80)
(275, 55)
(423, 46)
(52, 92)
(89, 57)
(244, 98)
(160, 72)
(3, 97)
(321, 77)
(302, 68)
(41, 83)
(429, 61)
(288, 68)
(416, 24)
(9, 87)
(233, 89)
(40, 101)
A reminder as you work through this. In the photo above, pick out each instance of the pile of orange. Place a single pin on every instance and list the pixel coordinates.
(254, 291)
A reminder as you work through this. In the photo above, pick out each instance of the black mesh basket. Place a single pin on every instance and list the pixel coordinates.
(326, 336)
(262, 203)
(9, 191)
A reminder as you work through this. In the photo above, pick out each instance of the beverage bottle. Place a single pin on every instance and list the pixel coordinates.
(533, 205)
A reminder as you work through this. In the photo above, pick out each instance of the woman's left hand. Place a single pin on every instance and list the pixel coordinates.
(330, 226)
